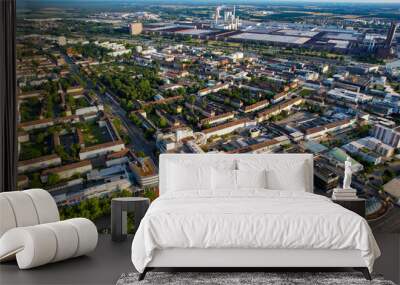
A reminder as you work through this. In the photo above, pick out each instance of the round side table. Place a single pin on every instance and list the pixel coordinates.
(120, 207)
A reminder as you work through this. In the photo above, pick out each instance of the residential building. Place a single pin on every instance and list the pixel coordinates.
(213, 89)
(101, 149)
(349, 96)
(363, 152)
(228, 128)
(387, 135)
(193, 147)
(217, 119)
(324, 178)
(135, 28)
(172, 140)
(256, 106)
(145, 172)
(320, 131)
(338, 156)
(393, 188)
(279, 97)
(67, 171)
(266, 146)
(276, 109)
(39, 163)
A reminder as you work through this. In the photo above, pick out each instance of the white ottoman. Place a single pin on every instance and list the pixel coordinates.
(33, 243)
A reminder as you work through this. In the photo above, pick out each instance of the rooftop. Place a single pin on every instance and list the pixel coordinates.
(271, 38)
(100, 146)
(145, 167)
(38, 159)
(67, 167)
(315, 147)
(393, 187)
(226, 125)
(194, 32)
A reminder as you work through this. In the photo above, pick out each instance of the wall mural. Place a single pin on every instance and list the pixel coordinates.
(103, 89)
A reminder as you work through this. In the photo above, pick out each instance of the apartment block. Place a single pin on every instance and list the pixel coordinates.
(387, 135)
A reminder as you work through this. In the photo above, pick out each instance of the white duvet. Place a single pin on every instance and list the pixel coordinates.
(250, 219)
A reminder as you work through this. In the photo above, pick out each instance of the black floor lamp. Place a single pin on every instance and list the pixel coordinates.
(8, 102)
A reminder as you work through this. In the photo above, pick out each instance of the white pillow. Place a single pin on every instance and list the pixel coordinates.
(183, 177)
(251, 178)
(293, 178)
(224, 179)
(223, 163)
(282, 174)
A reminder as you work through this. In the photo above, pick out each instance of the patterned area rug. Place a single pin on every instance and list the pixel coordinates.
(243, 278)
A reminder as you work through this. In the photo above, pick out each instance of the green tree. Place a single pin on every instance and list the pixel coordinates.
(30, 152)
(75, 148)
(71, 101)
(35, 182)
(192, 99)
(163, 123)
(53, 179)
(145, 87)
(118, 124)
(62, 153)
(135, 119)
(149, 133)
(388, 175)
(140, 153)
(181, 91)
(150, 193)
(40, 138)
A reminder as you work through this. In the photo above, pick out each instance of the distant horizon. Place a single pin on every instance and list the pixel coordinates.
(225, 1)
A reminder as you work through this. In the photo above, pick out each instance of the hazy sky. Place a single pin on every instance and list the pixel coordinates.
(216, 2)
(231, 1)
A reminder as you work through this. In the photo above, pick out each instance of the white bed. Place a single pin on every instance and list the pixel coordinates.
(209, 226)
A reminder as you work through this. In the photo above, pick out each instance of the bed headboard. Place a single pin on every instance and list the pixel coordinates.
(212, 159)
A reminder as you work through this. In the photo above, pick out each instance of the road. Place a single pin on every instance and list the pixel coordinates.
(136, 135)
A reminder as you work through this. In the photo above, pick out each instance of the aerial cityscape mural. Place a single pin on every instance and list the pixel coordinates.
(104, 87)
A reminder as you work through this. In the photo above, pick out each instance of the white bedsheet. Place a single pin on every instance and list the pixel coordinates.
(250, 218)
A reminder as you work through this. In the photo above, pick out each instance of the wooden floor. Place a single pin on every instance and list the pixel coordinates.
(106, 264)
